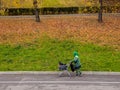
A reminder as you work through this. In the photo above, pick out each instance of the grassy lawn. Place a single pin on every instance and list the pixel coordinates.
(40, 48)
(46, 3)
(63, 3)
(45, 53)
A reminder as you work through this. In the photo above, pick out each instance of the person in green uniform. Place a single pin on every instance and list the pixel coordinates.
(76, 63)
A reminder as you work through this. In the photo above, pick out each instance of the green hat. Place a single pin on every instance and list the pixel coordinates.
(75, 53)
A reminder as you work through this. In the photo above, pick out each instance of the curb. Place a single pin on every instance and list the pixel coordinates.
(29, 72)
(57, 72)
(100, 73)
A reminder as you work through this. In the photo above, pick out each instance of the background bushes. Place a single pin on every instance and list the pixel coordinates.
(59, 10)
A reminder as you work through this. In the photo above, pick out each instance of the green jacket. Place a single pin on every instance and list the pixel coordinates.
(76, 61)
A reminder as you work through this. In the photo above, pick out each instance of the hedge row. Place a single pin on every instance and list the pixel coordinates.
(43, 11)
(59, 10)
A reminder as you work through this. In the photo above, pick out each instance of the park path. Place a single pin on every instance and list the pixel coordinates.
(60, 15)
(52, 81)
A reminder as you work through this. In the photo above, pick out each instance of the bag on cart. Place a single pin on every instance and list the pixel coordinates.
(62, 66)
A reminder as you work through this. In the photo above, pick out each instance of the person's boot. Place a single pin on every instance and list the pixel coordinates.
(78, 73)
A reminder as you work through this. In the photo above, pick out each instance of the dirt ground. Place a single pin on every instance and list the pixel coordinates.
(80, 28)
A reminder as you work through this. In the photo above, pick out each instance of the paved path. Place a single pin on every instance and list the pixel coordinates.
(61, 15)
(51, 81)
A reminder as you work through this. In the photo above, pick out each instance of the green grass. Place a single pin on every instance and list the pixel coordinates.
(62, 3)
(45, 3)
(43, 55)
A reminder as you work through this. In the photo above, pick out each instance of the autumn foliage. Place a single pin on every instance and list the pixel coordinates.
(78, 28)
(55, 3)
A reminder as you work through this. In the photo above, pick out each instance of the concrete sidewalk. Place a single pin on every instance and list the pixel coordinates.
(56, 72)
(49, 80)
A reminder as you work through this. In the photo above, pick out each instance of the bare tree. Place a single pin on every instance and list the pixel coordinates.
(35, 3)
(0, 4)
(100, 12)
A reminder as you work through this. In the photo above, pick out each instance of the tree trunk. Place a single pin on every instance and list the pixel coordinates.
(100, 12)
(36, 11)
(0, 4)
(37, 15)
